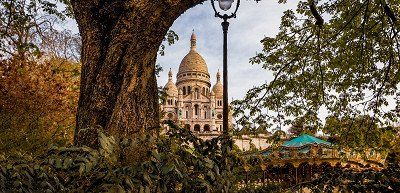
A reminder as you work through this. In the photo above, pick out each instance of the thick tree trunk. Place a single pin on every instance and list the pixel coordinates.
(118, 82)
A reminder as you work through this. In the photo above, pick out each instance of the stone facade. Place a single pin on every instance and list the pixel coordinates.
(194, 105)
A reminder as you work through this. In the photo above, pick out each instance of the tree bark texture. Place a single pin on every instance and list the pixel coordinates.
(120, 41)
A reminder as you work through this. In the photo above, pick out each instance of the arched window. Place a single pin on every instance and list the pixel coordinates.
(187, 114)
(207, 128)
(187, 126)
(170, 116)
(196, 109)
(204, 91)
(184, 90)
(197, 127)
(197, 93)
(189, 90)
(205, 114)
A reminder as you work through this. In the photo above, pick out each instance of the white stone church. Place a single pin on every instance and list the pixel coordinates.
(191, 102)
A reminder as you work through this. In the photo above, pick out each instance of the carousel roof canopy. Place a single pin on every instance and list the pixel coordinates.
(303, 140)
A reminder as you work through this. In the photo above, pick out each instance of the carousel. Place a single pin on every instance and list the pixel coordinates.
(306, 157)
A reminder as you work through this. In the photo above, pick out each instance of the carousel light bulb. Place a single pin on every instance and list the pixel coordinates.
(225, 4)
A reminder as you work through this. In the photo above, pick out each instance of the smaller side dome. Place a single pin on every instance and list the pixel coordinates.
(218, 89)
(170, 88)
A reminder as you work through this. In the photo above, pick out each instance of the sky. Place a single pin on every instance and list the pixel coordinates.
(254, 22)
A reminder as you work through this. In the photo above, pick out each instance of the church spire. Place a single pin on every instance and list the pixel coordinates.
(218, 76)
(193, 40)
(170, 75)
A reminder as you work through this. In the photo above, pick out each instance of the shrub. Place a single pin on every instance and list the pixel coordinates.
(178, 162)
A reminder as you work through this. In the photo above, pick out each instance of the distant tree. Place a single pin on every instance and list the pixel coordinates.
(277, 138)
(38, 102)
(24, 24)
(361, 131)
(39, 77)
(300, 125)
(341, 57)
(62, 44)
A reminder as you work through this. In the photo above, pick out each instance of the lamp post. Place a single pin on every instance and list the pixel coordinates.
(225, 5)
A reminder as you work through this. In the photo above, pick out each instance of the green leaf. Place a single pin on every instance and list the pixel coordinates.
(167, 168)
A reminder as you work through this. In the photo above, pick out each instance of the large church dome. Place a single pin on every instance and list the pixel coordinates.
(193, 67)
(193, 62)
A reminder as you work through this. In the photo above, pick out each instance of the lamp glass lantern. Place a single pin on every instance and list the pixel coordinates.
(225, 4)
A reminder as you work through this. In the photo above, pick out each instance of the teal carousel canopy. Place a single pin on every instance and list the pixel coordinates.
(303, 140)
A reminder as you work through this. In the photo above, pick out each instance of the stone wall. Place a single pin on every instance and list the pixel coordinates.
(243, 142)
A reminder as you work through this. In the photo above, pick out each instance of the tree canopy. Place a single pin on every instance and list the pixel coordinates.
(39, 77)
(348, 65)
(337, 57)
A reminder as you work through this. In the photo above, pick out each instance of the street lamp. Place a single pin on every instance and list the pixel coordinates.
(225, 5)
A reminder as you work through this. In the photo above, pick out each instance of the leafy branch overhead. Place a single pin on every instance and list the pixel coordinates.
(338, 57)
(170, 38)
(25, 23)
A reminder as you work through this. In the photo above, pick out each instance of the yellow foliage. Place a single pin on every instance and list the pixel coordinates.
(38, 101)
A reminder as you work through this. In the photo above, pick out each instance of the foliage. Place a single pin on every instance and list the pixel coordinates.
(331, 179)
(24, 24)
(339, 57)
(299, 126)
(360, 132)
(348, 180)
(38, 103)
(268, 188)
(39, 77)
(177, 162)
(170, 38)
(276, 138)
(61, 44)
